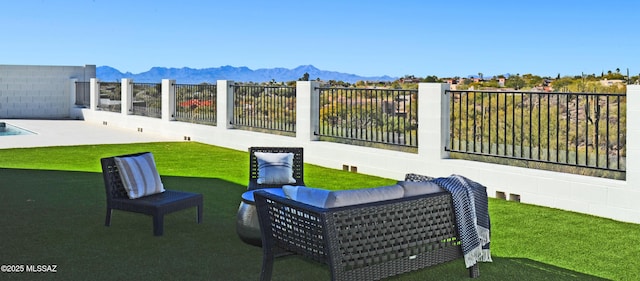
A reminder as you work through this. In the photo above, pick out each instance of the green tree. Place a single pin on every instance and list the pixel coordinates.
(305, 77)
(431, 79)
(515, 82)
(562, 84)
(532, 80)
(493, 83)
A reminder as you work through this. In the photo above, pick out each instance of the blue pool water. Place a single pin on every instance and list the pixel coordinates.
(10, 130)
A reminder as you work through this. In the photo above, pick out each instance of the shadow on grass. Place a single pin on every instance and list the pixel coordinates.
(57, 218)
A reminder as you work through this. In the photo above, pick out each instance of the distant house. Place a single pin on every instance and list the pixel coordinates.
(453, 83)
(612, 82)
(501, 81)
(410, 79)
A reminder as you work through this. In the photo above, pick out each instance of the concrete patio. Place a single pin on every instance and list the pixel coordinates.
(72, 132)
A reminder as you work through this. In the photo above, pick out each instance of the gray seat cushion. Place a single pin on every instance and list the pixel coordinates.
(329, 199)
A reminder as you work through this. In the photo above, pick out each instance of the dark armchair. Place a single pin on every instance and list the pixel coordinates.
(247, 225)
(156, 205)
(298, 165)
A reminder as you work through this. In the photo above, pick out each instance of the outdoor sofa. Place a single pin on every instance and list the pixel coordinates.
(369, 236)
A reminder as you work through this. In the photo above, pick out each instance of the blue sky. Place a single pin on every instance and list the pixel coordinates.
(369, 38)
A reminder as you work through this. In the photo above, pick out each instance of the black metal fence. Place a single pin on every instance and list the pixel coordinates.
(386, 116)
(110, 96)
(268, 108)
(576, 129)
(83, 94)
(196, 103)
(147, 99)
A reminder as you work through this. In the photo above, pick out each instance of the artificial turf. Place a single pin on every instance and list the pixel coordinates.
(52, 209)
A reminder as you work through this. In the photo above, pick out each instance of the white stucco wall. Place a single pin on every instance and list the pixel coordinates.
(615, 199)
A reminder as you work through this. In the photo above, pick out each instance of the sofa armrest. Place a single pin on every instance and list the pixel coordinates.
(299, 228)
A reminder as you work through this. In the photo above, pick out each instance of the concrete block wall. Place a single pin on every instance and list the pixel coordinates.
(615, 199)
(35, 91)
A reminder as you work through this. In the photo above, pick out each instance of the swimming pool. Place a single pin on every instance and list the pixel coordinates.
(10, 130)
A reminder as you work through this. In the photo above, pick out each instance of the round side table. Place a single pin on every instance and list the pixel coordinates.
(247, 224)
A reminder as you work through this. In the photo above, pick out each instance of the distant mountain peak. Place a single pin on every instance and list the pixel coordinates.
(228, 72)
(306, 67)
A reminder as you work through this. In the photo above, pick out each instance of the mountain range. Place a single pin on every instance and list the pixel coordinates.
(187, 75)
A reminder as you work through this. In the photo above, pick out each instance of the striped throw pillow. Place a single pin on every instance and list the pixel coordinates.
(139, 175)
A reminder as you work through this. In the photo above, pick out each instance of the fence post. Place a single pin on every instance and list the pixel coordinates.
(94, 98)
(633, 133)
(224, 103)
(433, 123)
(168, 100)
(307, 110)
(126, 96)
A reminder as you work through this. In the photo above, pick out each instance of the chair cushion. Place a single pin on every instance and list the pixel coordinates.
(330, 199)
(139, 175)
(413, 188)
(275, 168)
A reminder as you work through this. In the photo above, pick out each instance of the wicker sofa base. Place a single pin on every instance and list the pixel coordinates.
(362, 242)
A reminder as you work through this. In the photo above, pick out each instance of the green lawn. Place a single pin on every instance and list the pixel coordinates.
(52, 211)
